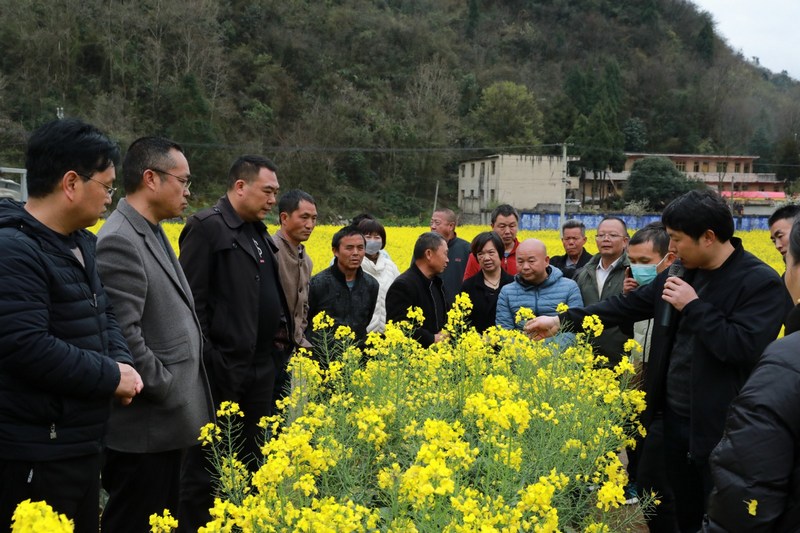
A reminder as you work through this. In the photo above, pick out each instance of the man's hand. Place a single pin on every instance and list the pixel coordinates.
(629, 285)
(542, 327)
(130, 384)
(678, 293)
(440, 337)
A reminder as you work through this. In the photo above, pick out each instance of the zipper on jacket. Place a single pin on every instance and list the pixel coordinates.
(52, 431)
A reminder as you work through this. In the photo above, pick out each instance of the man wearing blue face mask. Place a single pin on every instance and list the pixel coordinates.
(648, 252)
(649, 255)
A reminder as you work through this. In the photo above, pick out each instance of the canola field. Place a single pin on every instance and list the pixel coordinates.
(400, 242)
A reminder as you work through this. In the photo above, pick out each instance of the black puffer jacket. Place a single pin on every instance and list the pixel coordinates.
(59, 343)
(413, 289)
(348, 307)
(758, 458)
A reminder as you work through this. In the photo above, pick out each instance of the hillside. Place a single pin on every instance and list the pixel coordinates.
(367, 104)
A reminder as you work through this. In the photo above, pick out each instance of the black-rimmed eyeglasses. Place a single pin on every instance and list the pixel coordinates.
(185, 181)
(109, 189)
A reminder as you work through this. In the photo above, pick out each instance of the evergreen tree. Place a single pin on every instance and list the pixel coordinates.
(656, 181)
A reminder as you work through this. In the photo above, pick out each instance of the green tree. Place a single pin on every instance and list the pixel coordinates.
(788, 168)
(761, 146)
(656, 181)
(507, 116)
(635, 133)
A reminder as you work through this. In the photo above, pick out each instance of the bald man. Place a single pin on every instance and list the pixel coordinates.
(537, 286)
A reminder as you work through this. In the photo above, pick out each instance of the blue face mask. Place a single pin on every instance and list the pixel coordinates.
(644, 274)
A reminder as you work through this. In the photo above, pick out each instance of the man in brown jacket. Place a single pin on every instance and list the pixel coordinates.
(298, 213)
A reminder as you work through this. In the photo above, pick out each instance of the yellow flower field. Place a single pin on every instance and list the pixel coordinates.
(400, 242)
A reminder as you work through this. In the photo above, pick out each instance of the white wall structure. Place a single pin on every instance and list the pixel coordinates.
(528, 182)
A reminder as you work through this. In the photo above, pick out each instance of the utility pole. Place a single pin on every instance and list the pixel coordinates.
(436, 197)
(562, 214)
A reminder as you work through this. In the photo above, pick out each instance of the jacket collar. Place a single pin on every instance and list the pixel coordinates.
(338, 274)
(167, 261)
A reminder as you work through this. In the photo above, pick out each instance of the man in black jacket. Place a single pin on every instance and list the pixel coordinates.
(420, 286)
(573, 238)
(444, 223)
(711, 325)
(343, 290)
(229, 260)
(62, 354)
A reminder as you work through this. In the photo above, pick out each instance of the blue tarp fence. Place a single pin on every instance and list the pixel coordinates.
(542, 221)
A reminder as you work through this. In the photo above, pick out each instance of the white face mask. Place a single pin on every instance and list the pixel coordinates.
(373, 246)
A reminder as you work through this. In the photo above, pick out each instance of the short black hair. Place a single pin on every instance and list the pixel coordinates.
(358, 218)
(481, 239)
(504, 210)
(146, 153)
(574, 223)
(698, 211)
(794, 241)
(656, 233)
(247, 168)
(787, 211)
(618, 219)
(290, 201)
(430, 240)
(370, 225)
(63, 145)
(345, 232)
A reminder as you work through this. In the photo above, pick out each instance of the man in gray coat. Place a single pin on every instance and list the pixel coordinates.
(155, 310)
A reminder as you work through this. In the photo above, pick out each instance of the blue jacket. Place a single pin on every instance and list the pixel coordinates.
(59, 343)
(542, 299)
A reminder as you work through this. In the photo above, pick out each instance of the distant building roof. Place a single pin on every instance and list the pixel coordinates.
(755, 195)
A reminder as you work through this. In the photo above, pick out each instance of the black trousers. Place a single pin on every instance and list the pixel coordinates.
(70, 486)
(256, 399)
(689, 477)
(138, 485)
(651, 476)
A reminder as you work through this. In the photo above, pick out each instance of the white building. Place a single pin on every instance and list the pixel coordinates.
(528, 182)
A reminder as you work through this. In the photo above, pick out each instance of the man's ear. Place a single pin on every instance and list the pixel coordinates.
(69, 184)
(283, 216)
(708, 237)
(670, 258)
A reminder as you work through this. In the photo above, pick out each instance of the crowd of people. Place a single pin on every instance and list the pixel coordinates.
(114, 351)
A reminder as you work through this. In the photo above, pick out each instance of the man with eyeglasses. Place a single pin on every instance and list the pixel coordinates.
(63, 357)
(155, 309)
(603, 278)
(573, 237)
(505, 222)
(230, 262)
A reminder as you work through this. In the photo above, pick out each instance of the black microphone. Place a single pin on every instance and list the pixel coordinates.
(675, 270)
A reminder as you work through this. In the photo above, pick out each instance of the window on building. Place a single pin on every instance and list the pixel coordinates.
(463, 194)
(737, 186)
(722, 166)
(483, 169)
(705, 166)
(737, 167)
(472, 169)
(493, 167)
(472, 193)
(696, 166)
(761, 188)
(681, 165)
(463, 171)
(747, 168)
(491, 195)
